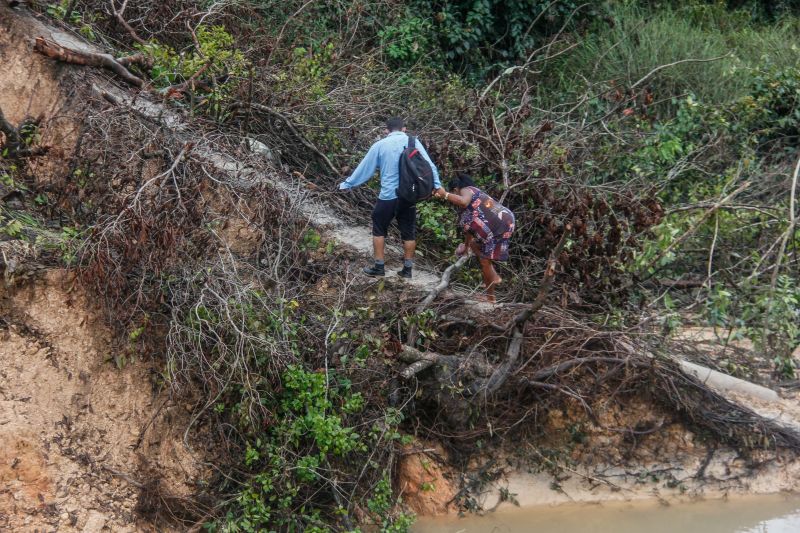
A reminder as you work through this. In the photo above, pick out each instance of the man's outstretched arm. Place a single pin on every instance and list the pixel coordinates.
(364, 171)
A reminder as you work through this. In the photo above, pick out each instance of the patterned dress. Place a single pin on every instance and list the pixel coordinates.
(490, 224)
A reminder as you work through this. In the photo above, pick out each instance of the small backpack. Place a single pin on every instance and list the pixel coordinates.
(416, 175)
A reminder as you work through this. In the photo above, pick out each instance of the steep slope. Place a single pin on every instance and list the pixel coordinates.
(80, 437)
(88, 441)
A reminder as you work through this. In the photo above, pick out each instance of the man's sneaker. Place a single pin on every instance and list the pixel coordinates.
(405, 273)
(375, 270)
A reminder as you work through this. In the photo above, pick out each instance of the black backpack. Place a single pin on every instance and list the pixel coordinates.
(416, 175)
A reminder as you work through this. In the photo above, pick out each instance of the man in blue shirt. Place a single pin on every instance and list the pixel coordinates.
(385, 155)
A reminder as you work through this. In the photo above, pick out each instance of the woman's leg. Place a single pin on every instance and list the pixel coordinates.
(490, 276)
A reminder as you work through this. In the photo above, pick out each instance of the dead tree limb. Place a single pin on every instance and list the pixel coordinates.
(501, 373)
(544, 287)
(136, 59)
(419, 361)
(566, 365)
(289, 124)
(444, 282)
(90, 59)
(713, 209)
(124, 23)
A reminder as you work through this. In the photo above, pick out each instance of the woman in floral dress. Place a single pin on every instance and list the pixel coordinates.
(487, 227)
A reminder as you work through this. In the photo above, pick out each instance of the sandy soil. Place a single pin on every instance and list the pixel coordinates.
(71, 420)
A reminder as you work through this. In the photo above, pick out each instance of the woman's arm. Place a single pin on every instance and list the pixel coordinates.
(461, 200)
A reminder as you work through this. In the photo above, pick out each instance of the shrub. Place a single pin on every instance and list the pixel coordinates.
(215, 66)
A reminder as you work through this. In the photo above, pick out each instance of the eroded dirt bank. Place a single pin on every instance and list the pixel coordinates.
(83, 442)
(89, 440)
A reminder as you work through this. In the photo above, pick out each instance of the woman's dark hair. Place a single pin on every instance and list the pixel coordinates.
(461, 181)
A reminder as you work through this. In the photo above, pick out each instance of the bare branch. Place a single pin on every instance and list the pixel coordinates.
(123, 22)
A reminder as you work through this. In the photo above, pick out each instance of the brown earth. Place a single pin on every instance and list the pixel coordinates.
(79, 437)
(427, 487)
(88, 438)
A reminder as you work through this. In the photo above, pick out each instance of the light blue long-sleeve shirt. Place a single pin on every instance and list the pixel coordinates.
(385, 155)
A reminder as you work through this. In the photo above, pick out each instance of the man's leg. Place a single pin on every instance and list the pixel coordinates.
(408, 249)
(407, 221)
(379, 247)
(382, 216)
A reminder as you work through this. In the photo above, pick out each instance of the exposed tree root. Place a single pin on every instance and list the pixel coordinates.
(501, 373)
(58, 52)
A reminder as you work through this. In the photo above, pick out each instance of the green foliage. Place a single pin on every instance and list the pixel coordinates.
(641, 39)
(69, 243)
(76, 18)
(11, 227)
(215, 61)
(773, 323)
(432, 220)
(408, 41)
(381, 503)
(27, 226)
(425, 324)
(772, 109)
(473, 37)
(311, 240)
(310, 69)
(293, 457)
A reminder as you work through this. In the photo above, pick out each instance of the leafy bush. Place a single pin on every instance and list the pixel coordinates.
(294, 459)
(83, 22)
(473, 37)
(215, 65)
(642, 39)
(408, 41)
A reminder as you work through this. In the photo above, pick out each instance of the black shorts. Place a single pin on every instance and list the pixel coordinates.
(386, 210)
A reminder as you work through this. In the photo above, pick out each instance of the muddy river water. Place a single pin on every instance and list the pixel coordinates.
(757, 514)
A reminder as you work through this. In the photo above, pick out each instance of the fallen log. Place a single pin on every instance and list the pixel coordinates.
(118, 14)
(58, 52)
